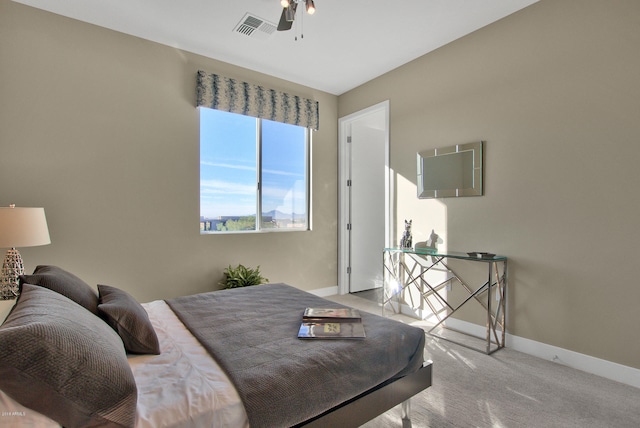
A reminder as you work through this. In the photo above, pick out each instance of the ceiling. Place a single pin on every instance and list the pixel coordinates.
(344, 44)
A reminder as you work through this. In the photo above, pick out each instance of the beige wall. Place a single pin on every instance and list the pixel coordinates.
(554, 90)
(100, 128)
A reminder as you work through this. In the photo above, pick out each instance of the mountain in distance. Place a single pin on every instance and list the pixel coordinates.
(275, 214)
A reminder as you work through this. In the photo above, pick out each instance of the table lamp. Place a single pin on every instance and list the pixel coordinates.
(19, 227)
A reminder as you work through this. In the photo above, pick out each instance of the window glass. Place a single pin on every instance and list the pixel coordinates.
(284, 176)
(250, 166)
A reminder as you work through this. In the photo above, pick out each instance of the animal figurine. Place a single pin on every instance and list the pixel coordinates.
(406, 241)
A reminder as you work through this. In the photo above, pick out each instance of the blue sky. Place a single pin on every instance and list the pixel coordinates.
(228, 165)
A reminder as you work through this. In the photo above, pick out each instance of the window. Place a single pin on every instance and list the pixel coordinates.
(249, 166)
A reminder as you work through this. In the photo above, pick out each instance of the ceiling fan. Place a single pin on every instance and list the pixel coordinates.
(289, 8)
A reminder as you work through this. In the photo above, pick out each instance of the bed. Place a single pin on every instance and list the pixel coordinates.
(229, 358)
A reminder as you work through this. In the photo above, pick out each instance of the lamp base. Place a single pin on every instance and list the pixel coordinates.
(12, 268)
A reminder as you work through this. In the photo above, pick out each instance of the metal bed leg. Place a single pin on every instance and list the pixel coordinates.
(406, 413)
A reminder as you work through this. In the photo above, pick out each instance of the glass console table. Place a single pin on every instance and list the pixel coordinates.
(422, 280)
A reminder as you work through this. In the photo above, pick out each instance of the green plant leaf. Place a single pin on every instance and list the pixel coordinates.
(241, 276)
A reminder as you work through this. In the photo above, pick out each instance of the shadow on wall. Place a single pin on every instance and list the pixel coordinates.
(431, 243)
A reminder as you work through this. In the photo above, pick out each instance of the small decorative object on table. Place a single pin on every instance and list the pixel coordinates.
(481, 255)
(406, 241)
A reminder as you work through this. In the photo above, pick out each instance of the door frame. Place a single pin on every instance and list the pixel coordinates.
(344, 215)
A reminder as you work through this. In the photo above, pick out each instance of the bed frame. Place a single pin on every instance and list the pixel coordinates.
(377, 400)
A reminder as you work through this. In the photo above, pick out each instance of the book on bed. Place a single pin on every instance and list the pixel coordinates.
(331, 330)
(331, 315)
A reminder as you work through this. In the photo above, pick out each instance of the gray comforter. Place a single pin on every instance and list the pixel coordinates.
(283, 380)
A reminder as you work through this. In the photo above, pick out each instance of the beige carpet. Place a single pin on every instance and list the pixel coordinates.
(508, 389)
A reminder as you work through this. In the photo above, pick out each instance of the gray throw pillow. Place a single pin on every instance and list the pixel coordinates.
(65, 283)
(129, 319)
(65, 363)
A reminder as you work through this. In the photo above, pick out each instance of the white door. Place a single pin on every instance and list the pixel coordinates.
(365, 212)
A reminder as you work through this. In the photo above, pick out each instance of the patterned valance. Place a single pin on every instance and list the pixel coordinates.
(223, 93)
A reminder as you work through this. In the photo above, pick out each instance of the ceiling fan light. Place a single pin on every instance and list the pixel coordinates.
(311, 8)
(284, 3)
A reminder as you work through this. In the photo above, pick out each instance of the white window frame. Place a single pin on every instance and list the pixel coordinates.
(259, 164)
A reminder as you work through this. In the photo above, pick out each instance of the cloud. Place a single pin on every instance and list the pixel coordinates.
(277, 172)
(226, 188)
(250, 168)
(228, 165)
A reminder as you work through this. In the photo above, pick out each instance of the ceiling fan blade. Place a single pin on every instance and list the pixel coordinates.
(287, 17)
(284, 25)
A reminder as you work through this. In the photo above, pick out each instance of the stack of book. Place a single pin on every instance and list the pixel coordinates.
(331, 323)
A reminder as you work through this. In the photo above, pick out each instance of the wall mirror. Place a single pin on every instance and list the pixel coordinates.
(451, 171)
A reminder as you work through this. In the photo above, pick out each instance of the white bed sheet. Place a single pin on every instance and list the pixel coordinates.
(182, 387)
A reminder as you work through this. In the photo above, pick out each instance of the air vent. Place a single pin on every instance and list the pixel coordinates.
(252, 26)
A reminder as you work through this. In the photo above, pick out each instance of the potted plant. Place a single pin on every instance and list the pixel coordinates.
(241, 276)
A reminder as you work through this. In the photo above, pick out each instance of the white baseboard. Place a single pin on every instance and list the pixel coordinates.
(607, 369)
(324, 292)
(603, 368)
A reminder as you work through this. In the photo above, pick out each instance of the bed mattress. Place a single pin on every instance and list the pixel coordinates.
(183, 386)
(252, 333)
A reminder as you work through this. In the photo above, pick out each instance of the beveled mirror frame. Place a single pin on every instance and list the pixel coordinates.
(471, 172)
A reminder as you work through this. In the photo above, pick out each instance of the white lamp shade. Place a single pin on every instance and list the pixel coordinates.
(23, 227)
